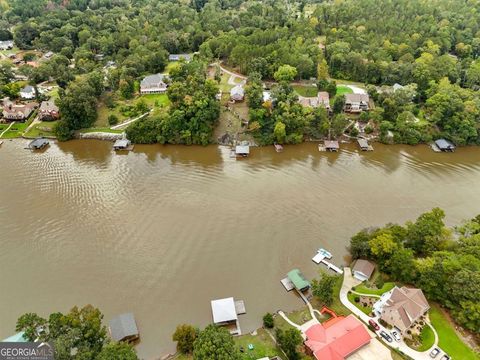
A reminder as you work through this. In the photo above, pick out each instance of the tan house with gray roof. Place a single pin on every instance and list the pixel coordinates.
(404, 307)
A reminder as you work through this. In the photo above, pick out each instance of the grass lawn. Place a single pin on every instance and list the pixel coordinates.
(427, 337)
(342, 90)
(448, 339)
(306, 90)
(44, 128)
(337, 305)
(366, 290)
(158, 102)
(17, 129)
(263, 345)
(101, 129)
(365, 309)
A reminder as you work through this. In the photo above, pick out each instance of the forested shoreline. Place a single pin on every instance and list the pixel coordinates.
(429, 47)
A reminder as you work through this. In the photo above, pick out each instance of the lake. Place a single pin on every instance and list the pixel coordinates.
(163, 230)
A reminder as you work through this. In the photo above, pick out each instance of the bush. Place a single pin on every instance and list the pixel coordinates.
(112, 119)
(383, 322)
(354, 132)
(356, 299)
(368, 129)
(268, 320)
(379, 282)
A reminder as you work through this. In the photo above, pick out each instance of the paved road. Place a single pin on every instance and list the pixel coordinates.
(348, 282)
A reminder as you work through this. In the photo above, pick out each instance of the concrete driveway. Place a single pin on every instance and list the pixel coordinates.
(348, 282)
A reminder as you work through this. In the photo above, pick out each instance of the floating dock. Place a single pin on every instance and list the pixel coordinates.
(287, 284)
(320, 257)
(331, 266)
(240, 307)
(435, 147)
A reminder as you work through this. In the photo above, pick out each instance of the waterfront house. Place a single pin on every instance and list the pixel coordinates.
(298, 280)
(336, 339)
(17, 112)
(363, 269)
(38, 144)
(404, 307)
(48, 111)
(355, 103)
(154, 84)
(322, 99)
(445, 145)
(178, 57)
(28, 92)
(124, 328)
(331, 145)
(237, 93)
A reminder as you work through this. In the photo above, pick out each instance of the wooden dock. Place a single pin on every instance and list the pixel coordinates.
(240, 307)
(322, 147)
(435, 147)
(287, 284)
(331, 266)
(320, 257)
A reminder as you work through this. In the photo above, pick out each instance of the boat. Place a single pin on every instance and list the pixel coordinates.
(278, 147)
(325, 253)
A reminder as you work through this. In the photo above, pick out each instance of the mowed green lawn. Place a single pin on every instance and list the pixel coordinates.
(306, 90)
(448, 339)
(428, 338)
(366, 290)
(342, 90)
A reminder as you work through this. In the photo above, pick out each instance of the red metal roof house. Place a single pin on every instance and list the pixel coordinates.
(337, 339)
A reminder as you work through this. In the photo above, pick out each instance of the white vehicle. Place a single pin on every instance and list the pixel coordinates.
(396, 336)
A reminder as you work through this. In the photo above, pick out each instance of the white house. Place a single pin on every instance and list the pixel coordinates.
(28, 92)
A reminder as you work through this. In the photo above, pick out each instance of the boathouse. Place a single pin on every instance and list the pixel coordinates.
(124, 328)
(363, 144)
(38, 143)
(298, 280)
(242, 150)
(121, 144)
(445, 145)
(225, 313)
(332, 145)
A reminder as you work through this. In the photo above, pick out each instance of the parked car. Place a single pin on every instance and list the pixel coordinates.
(396, 336)
(434, 352)
(445, 357)
(386, 336)
(374, 324)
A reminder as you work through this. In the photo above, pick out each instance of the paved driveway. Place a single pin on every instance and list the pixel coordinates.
(348, 282)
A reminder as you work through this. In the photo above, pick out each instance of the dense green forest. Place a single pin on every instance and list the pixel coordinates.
(432, 45)
(445, 264)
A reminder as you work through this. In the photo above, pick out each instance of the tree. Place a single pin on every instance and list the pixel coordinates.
(338, 125)
(402, 265)
(185, 336)
(120, 351)
(425, 235)
(289, 340)
(285, 73)
(359, 245)
(279, 132)
(215, 343)
(338, 104)
(323, 288)
(112, 119)
(29, 323)
(322, 70)
(382, 247)
(268, 321)
(254, 92)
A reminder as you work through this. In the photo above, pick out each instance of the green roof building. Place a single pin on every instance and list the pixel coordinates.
(298, 280)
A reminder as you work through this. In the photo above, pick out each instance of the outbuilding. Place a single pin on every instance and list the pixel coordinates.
(38, 144)
(363, 269)
(331, 145)
(445, 145)
(298, 280)
(124, 328)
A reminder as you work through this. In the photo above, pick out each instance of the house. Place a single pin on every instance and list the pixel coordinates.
(28, 92)
(48, 55)
(336, 340)
(324, 99)
(298, 280)
(6, 45)
(363, 269)
(124, 328)
(355, 103)
(331, 145)
(48, 111)
(237, 93)
(404, 307)
(17, 112)
(178, 57)
(154, 84)
(445, 145)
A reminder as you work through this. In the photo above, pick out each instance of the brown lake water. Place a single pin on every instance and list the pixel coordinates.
(163, 230)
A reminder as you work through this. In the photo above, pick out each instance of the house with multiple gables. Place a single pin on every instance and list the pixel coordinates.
(322, 99)
(17, 112)
(154, 84)
(28, 92)
(356, 103)
(48, 111)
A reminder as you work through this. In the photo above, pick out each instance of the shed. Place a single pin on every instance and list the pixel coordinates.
(363, 144)
(224, 311)
(363, 269)
(124, 328)
(121, 144)
(38, 143)
(445, 145)
(298, 280)
(237, 93)
(332, 145)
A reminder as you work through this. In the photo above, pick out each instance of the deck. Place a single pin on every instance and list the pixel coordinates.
(240, 307)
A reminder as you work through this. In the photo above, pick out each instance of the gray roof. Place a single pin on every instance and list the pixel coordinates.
(123, 326)
(237, 90)
(175, 57)
(28, 89)
(121, 143)
(242, 149)
(38, 143)
(48, 106)
(349, 98)
(331, 144)
(444, 144)
(152, 80)
(362, 143)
